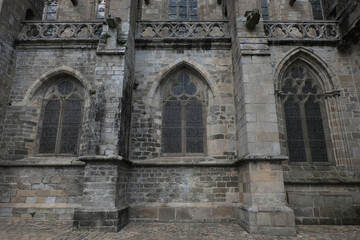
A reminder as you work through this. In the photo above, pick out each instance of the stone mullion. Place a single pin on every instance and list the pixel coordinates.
(305, 131)
(183, 128)
(60, 124)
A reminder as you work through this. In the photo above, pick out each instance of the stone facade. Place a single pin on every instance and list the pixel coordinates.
(227, 70)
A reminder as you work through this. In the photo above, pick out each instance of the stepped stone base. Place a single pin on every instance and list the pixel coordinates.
(101, 220)
(266, 220)
(182, 212)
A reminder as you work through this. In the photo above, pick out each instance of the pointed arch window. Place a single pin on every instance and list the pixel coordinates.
(183, 126)
(61, 118)
(304, 116)
(183, 9)
(50, 10)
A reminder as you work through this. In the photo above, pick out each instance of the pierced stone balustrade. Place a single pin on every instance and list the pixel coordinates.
(41, 30)
(302, 31)
(163, 30)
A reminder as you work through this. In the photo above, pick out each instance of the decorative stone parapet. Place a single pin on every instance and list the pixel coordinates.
(161, 30)
(302, 31)
(50, 30)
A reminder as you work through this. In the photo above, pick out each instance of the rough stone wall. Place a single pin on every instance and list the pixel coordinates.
(50, 192)
(325, 204)
(11, 14)
(342, 111)
(150, 67)
(282, 11)
(22, 119)
(158, 10)
(183, 185)
(123, 196)
(84, 10)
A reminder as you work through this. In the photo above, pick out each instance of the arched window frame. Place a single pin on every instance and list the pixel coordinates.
(199, 97)
(52, 93)
(50, 10)
(294, 92)
(183, 9)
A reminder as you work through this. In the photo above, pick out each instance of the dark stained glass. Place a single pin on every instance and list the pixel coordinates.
(316, 132)
(308, 88)
(194, 128)
(70, 126)
(297, 72)
(294, 131)
(172, 128)
(317, 11)
(193, 9)
(65, 87)
(183, 9)
(308, 143)
(183, 86)
(50, 127)
(264, 9)
(288, 87)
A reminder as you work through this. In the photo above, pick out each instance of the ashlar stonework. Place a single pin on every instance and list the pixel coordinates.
(190, 111)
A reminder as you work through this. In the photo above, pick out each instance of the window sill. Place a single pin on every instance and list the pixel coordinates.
(43, 161)
(184, 161)
(310, 164)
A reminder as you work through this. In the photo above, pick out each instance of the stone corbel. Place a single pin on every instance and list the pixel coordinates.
(219, 2)
(147, 2)
(279, 93)
(331, 94)
(113, 22)
(291, 2)
(252, 18)
(74, 2)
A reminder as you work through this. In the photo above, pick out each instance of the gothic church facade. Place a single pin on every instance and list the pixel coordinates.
(180, 111)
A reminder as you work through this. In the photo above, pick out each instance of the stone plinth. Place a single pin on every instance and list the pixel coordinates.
(103, 205)
(263, 207)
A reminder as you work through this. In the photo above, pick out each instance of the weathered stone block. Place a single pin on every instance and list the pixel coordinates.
(145, 213)
(166, 214)
(222, 213)
(183, 214)
(201, 213)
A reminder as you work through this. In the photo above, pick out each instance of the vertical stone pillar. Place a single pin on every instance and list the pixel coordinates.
(263, 207)
(104, 204)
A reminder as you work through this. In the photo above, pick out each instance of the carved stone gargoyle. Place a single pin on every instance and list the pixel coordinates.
(252, 18)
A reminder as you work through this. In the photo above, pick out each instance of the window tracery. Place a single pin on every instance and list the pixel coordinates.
(302, 104)
(183, 129)
(61, 119)
(183, 9)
